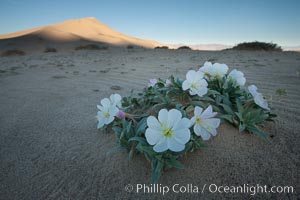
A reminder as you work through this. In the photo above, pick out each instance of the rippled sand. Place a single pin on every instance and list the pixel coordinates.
(50, 147)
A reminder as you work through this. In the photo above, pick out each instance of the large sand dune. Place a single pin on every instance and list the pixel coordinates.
(70, 34)
(50, 147)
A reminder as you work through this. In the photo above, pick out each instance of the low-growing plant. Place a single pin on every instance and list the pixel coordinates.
(256, 46)
(281, 92)
(13, 52)
(185, 47)
(91, 47)
(130, 47)
(161, 47)
(50, 50)
(173, 117)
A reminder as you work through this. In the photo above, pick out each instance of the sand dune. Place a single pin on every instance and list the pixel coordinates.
(71, 32)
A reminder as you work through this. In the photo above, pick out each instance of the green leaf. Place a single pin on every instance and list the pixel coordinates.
(117, 129)
(174, 163)
(141, 140)
(239, 107)
(129, 127)
(257, 131)
(115, 149)
(157, 167)
(227, 109)
(242, 127)
(147, 150)
(213, 92)
(130, 155)
(198, 103)
(227, 117)
(239, 115)
(141, 126)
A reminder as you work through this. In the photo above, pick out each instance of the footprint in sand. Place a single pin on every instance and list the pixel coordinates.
(115, 87)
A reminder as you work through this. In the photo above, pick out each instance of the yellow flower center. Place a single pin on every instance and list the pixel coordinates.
(193, 85)
(207, 74)
(168, 132)
(198, 120)
(106, 114)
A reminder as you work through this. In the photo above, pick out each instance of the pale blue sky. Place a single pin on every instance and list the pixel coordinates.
(177, 21)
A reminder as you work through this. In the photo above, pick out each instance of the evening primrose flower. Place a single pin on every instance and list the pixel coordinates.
(204, 123)
(258, 97)
(106, 113)
(170, 131)
(237, 77)
(115, 99)
(195, 83)
(215, 70)
(152, 82)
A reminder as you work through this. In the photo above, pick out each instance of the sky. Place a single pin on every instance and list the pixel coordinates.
(179, 21)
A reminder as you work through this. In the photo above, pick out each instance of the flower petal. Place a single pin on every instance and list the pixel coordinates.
(253, 90)
(108, 120)
(186, 84)
(113, 111)
(220, 69)
(116, 99)
(200, 131)
(259, 100)
(208, 113)
(182, 135)
(190, 74)
(153, 136)
(182, 123)
(197, 111)
(153, 123)
(174, 145)
(198, 76)
(212, 122)
(201, 92)
(174, 117)
(105, 102)
(100, 124)
(99, 107)
(161, 146)
(163, 116)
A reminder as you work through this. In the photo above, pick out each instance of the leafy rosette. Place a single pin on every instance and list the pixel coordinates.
(173, 117)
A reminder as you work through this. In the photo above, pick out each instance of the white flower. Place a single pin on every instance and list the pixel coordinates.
(152, 82)
(204, 124)
(195, 82)
(170, 131)
(107, 112)
(258, 97)
(237, 77)
(115, 99)
(215, 70)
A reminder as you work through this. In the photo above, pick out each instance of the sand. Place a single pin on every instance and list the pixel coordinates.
(50, 147)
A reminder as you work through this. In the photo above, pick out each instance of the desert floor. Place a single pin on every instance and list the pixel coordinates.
(50, 147)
